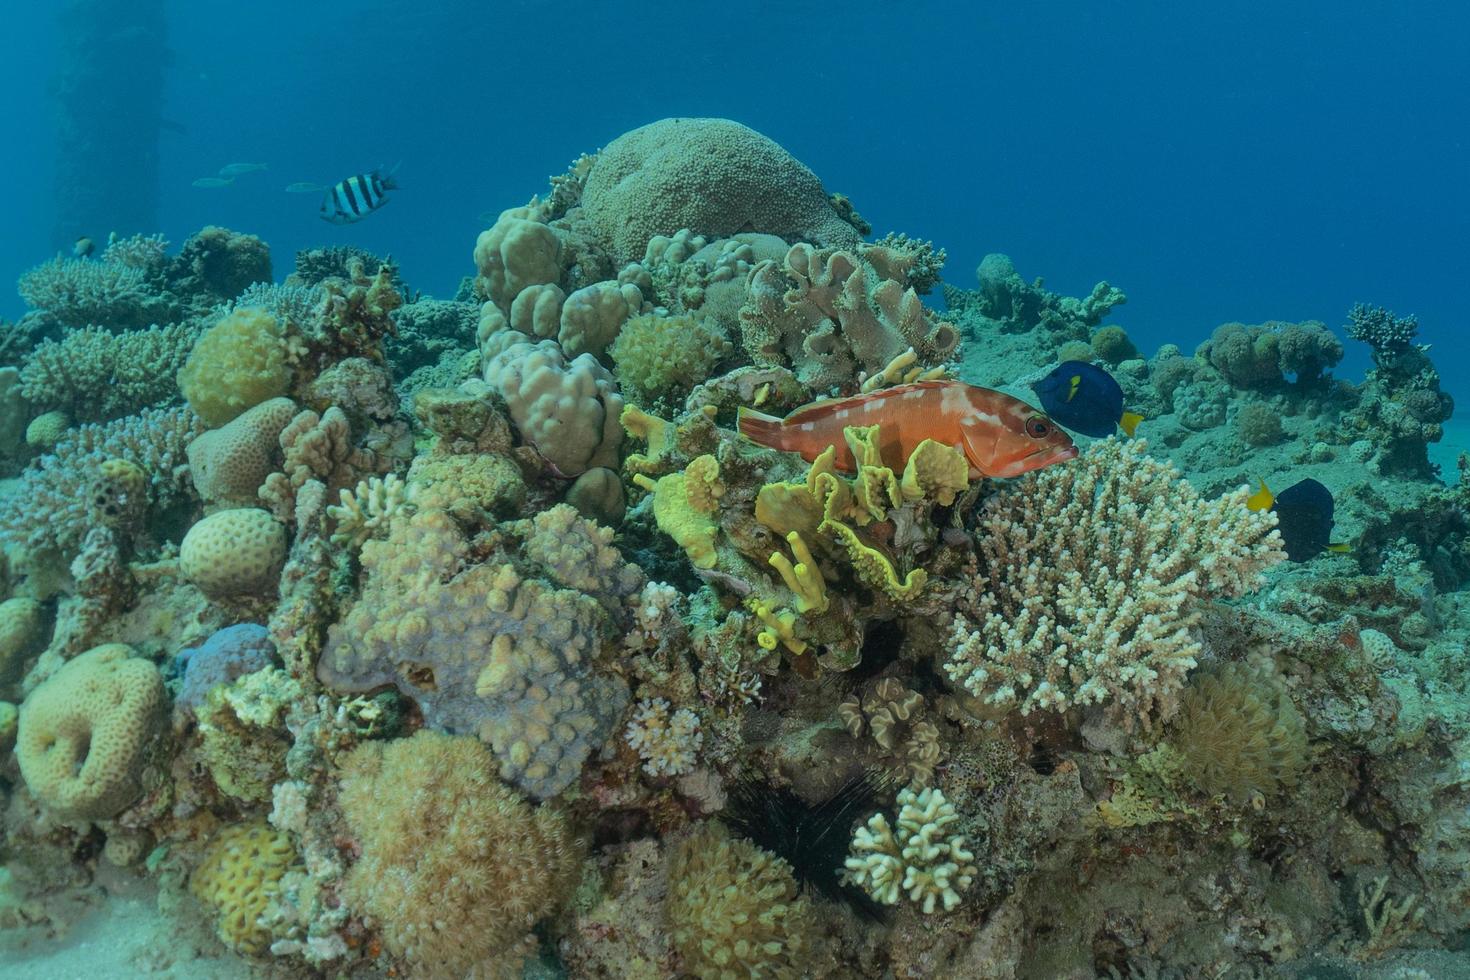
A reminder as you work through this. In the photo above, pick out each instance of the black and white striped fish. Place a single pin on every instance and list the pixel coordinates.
(356, 197)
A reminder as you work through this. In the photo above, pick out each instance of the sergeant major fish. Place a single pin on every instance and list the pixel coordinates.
(356, 197)
(1001, 436)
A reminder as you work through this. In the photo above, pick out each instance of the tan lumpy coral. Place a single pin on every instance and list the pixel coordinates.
(567, 408)
(237, 364)
(455, 867)
(712, 176)
(240, 873)
(516, 252)
(234, 552)
(665, 356)
(1239, 731)
(734, 909)
(229, 464)
(84, 732)
(22, 633)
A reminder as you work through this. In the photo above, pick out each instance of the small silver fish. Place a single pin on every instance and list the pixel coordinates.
(236, 169)
(208, 182)
(304, 187)
(356, 197)
(83, 248)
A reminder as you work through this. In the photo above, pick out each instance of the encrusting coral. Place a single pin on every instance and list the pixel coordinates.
(238, 877)
(455, 868)
(1095, 573)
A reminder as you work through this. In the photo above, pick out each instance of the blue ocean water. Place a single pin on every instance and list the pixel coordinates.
(1245, 161)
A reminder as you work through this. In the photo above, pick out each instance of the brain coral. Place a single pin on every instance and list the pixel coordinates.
(234, 552)
(712, 176)
(229, 464)
(1239, 732)
(734, 910)
(455, 867)
(237, 364)
(84, 733)
(482, 649)
(239, 875)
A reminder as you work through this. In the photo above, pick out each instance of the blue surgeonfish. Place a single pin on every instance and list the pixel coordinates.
(1086, 399)
(356, 197)
(1303, 516)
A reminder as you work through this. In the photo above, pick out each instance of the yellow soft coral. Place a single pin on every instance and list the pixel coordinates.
(873, 567)
(804, 578)
(237, 364)
(684, 505)
(935, 472)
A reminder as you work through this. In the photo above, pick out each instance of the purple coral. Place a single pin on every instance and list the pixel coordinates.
(228, 653)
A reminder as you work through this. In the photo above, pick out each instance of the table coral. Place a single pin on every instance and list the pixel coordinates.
(84, 733)
(482, 648)
(455, 867)
(1095, 573)
(714, 177)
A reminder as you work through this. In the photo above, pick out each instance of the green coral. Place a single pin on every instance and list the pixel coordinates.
(663, 357)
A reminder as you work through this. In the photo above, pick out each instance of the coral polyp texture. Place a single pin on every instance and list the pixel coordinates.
(1094, 577)
(350, 631)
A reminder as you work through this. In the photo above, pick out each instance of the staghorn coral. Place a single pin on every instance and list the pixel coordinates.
(52, 510)
(1239, 733)
(84, 732)
(78, 292)
(919, 260)
(1382, 330)
(714, 177)
(482, 648)
(1096, 571)
(663, 357)
(95, 375)
(455, 867)
(734, 909)
(920, 858)
(367, 510)
(238, 877)
(236, 364)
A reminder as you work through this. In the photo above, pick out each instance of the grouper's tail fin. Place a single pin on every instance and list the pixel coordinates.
(760, 428)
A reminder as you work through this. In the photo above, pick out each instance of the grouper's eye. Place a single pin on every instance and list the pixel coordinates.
(1038, 427)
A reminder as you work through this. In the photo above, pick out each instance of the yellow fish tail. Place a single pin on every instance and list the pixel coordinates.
(1129, 423)
(1340, 548)
(1262, 499)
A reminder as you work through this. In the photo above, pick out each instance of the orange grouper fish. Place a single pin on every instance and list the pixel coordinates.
(1000, 435)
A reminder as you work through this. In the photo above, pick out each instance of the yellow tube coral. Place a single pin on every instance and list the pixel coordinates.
(804, 578)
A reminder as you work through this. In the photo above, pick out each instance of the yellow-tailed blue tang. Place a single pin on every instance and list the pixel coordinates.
(1303, 516)
(1085, 398)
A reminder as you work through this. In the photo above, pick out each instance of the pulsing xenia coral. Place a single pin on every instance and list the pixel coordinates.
(1096, 571)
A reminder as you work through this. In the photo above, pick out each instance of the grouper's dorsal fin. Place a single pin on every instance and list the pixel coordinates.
(828, 406)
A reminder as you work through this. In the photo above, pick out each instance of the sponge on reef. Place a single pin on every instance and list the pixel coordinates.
(237, 364)
(84, 733)
(455, 867)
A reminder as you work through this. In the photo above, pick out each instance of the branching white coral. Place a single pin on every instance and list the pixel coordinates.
(668, 742)
(365, 512)
(920, 859)
(1097, 569)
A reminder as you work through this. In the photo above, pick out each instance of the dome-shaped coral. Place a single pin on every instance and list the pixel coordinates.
(234, 552)
(237, 364)
(84, 732)
(665, 356)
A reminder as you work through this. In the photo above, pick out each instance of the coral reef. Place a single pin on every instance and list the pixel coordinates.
(237, 877)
